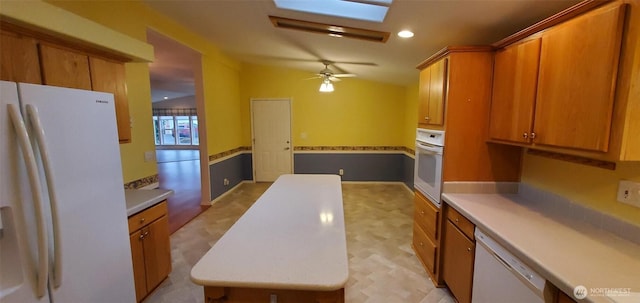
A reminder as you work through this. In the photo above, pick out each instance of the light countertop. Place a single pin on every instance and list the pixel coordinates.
(293, 237)
(567, 253)
(140, 199)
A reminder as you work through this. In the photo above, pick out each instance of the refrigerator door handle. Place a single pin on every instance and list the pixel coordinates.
(32, 170)
(39, 132)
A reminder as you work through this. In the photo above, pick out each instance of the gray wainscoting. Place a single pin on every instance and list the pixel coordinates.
(391, 167)
(237, 169)
(357, 167)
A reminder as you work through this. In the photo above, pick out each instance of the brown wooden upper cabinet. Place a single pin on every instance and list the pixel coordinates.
(109, 76)
(28, 59)
(64, 68)
(433, 83)
(568, 88)
(19, 58)
(514, 91)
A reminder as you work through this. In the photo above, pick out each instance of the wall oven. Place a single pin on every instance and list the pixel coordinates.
(428, 163)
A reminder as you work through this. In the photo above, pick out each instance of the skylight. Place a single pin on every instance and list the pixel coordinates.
(370, 10)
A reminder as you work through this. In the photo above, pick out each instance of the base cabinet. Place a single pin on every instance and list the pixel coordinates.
(458, 255)
(150, 248)
(426, 236)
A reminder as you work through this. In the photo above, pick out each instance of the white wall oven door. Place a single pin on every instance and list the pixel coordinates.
(428, 170)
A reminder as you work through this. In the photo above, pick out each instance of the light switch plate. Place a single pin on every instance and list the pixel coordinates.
(629, 192)
(149, 156)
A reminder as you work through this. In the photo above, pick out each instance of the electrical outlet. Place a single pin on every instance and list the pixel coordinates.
(341, 172)
(225, 181)
(629, 193)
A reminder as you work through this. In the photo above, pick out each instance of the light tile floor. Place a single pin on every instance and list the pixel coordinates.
(378, 217)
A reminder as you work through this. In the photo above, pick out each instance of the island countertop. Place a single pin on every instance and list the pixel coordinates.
(293, 237)
(140, 199)
(566, 253)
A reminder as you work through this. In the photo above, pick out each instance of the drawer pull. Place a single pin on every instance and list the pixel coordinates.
(141, 220)
(421, 244)
(468, 248)
(457, 220)
(422, 212)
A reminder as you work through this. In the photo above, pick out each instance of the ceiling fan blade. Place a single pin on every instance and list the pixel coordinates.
(345, 75)
(334, 79)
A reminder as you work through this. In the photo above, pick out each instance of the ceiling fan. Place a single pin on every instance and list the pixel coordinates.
(328, 75)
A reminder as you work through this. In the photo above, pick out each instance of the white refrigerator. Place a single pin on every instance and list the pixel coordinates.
(63, 222)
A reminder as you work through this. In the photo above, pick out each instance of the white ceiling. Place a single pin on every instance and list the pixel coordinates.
(241, 28)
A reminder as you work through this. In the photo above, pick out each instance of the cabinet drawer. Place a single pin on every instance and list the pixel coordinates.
(461, 222)
(424, 247)
(147, 216)
(426, 215)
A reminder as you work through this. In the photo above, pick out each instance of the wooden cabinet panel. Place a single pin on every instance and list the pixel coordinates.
(462, 223)
(457, 270)
(150, 248)
(61, 67)
(19, 59)
(437, 92)
(423, 97)
(564, 298)
(515, 77)
(578, 72)
(109, 76)
(425, 248)
(157, 251)
(137, 256)
(147, 216)
(426, 215)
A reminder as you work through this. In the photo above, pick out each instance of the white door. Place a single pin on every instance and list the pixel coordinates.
(271, 128)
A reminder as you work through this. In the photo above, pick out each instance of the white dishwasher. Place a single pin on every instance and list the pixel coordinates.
(499, 277)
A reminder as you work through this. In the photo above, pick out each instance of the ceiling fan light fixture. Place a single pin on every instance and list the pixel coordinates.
(326, 86)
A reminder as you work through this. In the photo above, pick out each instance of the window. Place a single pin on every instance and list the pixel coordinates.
(176, 130)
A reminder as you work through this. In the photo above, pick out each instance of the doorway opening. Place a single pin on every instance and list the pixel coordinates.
(178, 109)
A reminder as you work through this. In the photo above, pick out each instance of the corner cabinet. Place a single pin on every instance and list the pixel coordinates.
(31, 57)
(150, 248)
(458, 253)
(569, 88)
(433, 86)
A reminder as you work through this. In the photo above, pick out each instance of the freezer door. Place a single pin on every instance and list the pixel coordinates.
(18, 236)
(90, 253)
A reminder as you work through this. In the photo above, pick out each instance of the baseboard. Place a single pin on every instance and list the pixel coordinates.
(218, 198)
(151, 186)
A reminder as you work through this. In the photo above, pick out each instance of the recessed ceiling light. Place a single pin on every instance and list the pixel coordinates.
(405, 34)
(165, 97)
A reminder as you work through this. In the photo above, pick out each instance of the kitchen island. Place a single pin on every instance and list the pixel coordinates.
(290, 246)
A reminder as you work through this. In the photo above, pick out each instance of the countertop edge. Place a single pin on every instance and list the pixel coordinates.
(138, 200)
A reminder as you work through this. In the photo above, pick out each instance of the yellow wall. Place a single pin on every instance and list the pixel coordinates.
(593, 187)
(357, 113)
(220, 76)
(411, 115)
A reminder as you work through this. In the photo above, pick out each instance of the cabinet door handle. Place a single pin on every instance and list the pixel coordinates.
(533, 135)
(141, 237)
(421, 244)
(422, 212)
(468, 248)
(426, 118)
(525, 135)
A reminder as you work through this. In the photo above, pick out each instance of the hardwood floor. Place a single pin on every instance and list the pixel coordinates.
(378, 219)
(179, 170)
